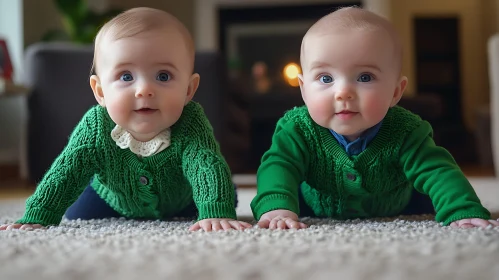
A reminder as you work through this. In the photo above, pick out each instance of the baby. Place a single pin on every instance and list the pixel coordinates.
(350, 152)
(148, 151)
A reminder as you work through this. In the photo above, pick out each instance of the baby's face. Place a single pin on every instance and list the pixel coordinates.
(349, 79)
(145, 81)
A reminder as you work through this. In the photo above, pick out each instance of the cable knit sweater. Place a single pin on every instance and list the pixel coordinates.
(377, 182)
(155, 187)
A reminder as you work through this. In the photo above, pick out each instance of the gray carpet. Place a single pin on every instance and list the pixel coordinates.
(400, 248)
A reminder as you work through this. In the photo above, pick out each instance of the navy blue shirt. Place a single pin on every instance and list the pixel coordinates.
(358, 145)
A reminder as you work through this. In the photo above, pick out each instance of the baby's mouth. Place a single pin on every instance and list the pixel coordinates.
(346, 115)
(145, 111)
(346, 112)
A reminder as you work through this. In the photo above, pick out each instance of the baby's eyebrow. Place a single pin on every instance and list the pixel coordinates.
(123, 64)
(168, 64)
(372, 66)
(162, 64)
(318, 64)
(321, 64)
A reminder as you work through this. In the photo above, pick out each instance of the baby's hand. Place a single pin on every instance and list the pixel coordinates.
(475, 222)
(20, 226)
(280, 219)
(218, 224)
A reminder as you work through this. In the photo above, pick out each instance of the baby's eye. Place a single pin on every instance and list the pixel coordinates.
(127, 77)
(365, 78)
(163, 77)
(326, 79)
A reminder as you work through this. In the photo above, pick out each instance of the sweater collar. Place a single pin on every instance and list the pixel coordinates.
(125, 140)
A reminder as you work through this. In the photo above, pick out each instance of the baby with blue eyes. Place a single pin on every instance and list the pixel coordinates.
(350, 152)
(146, 151)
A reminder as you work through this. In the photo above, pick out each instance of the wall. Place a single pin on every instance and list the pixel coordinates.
(490, 22)
(380, 7)
(12, 110)
(477, 23)
(40, 16)
(183, 10)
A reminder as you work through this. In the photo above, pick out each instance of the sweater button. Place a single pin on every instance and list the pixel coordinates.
(351, 177)
(143, 180)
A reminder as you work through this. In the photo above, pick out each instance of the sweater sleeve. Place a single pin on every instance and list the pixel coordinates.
(434, 172)
(206, 169)
(65, 180)
(212, 188)
(282, 169)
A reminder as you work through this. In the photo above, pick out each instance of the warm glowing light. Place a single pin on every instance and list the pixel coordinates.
(291, 71)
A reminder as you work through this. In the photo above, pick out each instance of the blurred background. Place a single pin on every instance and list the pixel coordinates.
(257, 44)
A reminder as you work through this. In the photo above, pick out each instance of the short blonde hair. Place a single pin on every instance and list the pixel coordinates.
(138, 20)
(356, 19)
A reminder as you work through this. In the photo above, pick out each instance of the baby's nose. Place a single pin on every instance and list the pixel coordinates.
(345, 93)
(145, 90)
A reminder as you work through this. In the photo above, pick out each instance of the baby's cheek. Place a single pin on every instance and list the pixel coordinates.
(321, 110)
(173, 107)
(375, 109)
(118, 110)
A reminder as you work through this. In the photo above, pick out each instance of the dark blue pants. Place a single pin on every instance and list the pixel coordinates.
(90, 205)
(418, 205)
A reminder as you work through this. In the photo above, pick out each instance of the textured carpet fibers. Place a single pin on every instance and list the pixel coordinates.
(412, 247)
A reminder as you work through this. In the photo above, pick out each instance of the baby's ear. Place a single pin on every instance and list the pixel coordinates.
(97, 89)
(399, 90)
(300, 82)
(193, 86)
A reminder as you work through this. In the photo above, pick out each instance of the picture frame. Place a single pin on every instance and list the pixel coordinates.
(6, 69)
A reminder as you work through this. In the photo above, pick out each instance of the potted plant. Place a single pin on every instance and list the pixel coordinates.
(80, 23)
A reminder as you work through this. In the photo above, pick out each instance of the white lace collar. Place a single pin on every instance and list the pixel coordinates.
(125, 140)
